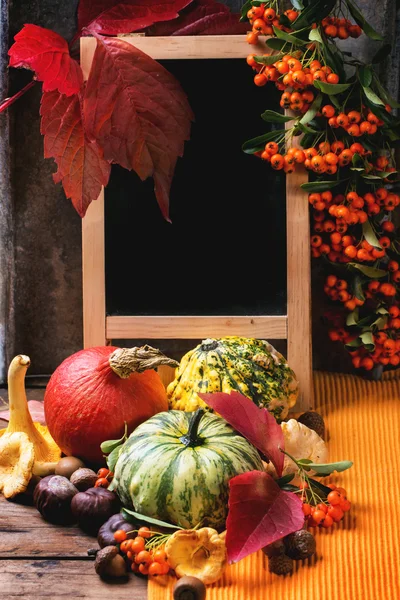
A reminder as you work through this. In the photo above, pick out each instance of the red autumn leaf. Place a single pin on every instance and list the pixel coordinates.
(36, 409)
(256, 424)
(46, 53)
(111, 17)
(81, 168)
(202, 17)
(137, 112)
(260, 513)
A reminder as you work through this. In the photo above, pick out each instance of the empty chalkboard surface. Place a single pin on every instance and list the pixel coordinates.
(220, 268)
(225, 251)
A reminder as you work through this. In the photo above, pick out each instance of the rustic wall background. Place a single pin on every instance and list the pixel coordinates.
(40, 232)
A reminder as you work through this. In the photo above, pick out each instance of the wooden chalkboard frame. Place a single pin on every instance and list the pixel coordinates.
(295, 326)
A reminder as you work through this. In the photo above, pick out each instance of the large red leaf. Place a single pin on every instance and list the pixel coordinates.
(199, 18)
(111, 17)
(137, 112)
(81, 168)
(256, 424)
(46, 53)
(259, 513)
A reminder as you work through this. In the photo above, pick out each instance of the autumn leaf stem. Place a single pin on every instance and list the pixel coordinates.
(9, 101)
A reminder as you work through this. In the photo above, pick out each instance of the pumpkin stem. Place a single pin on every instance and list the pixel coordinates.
(125, 361)
(190, 440)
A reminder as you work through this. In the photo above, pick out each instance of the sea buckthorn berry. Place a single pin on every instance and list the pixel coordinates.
(357, 148)
(145, 532)
(307, 96)
(384, 242)
(334, 498)
(328, 111)
(331, 30)
(277, 162)
(393, 266)
(331, 158)
(382, 162)
(260, 79)
(316, 241)
(327, 195)
(353, 130)
(125, 546)
(144, 557)
(329, 226)
(156, 569)
(299, 156)
(342, 120)
(365, 127)
(318, 516)
(342, 212)
(355, 31)
(332, 78)
(367, 364)
(322, 506)
(332, 122)
(327, 522)
(306, 509)
(373, 119)
(160, 555)
(282, 67)
(250, 60)
(138, 544)
(394, 311)
(350, 251)
(319, 75)
(272, 147)
(324, 147)
(381, 193)
(291, 15)
(103, 472)
(315, 65)
(346, 504)
(120, 535)
(251, 37)
(331, 280)
(298, 77)
(259, 25)
(354, 116)
(102, 482)
(294, 64)
(310, 153)
(337, 147)
(266, 156)
(269, 14)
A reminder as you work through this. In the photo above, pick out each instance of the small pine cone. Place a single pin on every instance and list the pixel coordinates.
(300, 544)
(275, 549)
(280, 565)
(313, 420)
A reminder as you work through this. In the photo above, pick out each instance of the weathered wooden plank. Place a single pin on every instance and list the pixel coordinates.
(23, 532)
(39, 579)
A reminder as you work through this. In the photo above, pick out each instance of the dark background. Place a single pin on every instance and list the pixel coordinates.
(40, 232)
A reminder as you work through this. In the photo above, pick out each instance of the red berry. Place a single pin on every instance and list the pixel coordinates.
(334, 498)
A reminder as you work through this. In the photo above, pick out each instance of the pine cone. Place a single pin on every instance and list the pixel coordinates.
(313, 420)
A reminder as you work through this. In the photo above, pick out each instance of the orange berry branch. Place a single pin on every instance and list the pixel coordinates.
(342, 112)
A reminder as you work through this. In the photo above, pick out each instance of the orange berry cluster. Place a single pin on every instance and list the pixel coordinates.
(337, 290)
(146, 562)
(341, 28)
(354, 122)
(263, 18)
(387, 349)
(278, 161)
(104, 478)
(325, 514)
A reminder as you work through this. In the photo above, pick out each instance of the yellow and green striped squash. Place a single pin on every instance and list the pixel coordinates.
(176, 467)
(250, 366)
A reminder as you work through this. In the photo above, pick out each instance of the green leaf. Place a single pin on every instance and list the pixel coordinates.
(365, 76)
(320, 186)
(380, 322)
(368, 340)
(285, 21)
(385, 94)
(285, 479)
(113, 457)
(315, 11)
(354, 343)
(369, 235)
(312, 111)
(110, 445)
(258, 143)
(326, 469)
(334, 59)
(382, 53)
(273, 117)
(331, 88)
(322, 488)
(370, 272)
(269, 59)
(371, 177)
(357, 287)
(297, 4)
(372, 97)
(282, 35)
(352, 318)
(315, 36)
(245, 9)
(300, 128)
(275, 43)
(360, 20)
(127, 514)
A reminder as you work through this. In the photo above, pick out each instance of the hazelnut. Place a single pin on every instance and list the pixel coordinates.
(109, 563)
(83, 479)
(189, 588)
(68, 465)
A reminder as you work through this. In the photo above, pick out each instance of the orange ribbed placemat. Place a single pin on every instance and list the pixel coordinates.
(359, 559)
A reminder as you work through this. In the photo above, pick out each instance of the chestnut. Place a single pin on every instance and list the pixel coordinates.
(53, 497)
(94, 507)
(105, 536)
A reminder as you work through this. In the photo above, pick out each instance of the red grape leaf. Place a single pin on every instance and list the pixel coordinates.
(256, 424)
(81, 168)
(259, 513)
(202, 17)
(46, 53)
(111, 17)
(137, 112)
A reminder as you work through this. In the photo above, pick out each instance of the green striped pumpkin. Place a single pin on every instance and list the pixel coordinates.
(176, 467)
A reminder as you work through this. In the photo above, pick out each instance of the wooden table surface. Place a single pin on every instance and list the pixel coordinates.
(43, 561)
(39, 560)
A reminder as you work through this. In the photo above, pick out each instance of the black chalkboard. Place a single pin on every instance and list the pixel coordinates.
(225, 251)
